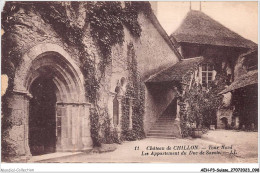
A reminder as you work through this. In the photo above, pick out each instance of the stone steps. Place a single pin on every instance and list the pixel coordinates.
(161, 137)
(168, 122)
(163, 125)
(163, 128)
(160, 130)
(160, 134)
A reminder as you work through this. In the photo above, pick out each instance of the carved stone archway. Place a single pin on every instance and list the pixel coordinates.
(72, 110)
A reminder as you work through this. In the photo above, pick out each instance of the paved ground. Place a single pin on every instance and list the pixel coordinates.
(245, 144)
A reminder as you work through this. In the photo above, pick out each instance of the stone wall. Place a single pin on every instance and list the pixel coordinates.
(40, 47)
(153, 52)
(226, 59)
(33, 38)
(224, 118)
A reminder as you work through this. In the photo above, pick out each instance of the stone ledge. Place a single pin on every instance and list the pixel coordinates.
(46, 157)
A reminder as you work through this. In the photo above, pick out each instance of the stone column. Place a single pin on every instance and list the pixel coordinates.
(119, 98)
(177, 111)
(110, 107)
(86, 135)
(200, 74)
(176, 125)
(61, 126)
(75, 127)
(17, 134)
(236, 122)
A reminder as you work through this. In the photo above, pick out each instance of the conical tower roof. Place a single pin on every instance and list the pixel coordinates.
(199, 28)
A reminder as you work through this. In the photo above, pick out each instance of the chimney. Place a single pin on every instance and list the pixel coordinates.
(195, 5)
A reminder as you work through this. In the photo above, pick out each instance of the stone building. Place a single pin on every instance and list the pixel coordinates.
(48, 104)
(245, 92)
(222, 49)
(84, 73)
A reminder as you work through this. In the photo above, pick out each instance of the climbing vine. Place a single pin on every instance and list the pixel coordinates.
(110, 134)
(125, 120)
(106, 26)
(135, 92)
(198, 107)
(106, 21)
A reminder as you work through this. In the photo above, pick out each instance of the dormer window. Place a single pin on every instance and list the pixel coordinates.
(207, 74)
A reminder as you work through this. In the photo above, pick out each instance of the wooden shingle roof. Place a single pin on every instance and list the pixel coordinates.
(247, 79)
(199, 28)
(177, 71)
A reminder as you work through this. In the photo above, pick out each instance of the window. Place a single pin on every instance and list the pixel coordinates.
(207, 74)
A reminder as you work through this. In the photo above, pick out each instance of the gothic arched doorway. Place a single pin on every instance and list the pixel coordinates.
(57, 107)
(49, 99)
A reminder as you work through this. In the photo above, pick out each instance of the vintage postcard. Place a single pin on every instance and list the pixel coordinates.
(129, 82)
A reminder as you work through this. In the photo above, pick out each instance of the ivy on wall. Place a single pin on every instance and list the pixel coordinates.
(135, 92)
(109, 134)
(198, 107)
(125, 119)
(106, 26)
(106, 21)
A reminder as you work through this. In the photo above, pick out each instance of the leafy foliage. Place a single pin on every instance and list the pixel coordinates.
(110, 135)
(106, 21)
(130, 20)
(135, 91)
(125, 122)
(198, 107)
(94, 127)
(106, 26)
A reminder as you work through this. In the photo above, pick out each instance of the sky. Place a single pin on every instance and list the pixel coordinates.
(241, 17)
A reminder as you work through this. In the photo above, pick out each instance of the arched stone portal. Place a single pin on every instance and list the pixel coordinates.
(51, 63)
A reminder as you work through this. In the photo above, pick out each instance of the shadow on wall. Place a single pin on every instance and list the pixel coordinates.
(158, 97)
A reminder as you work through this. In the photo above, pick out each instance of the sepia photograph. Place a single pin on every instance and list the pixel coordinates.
(129, 82)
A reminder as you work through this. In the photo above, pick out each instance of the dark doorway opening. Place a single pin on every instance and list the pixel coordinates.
(224, 123)
(246, 106)
(42, 117)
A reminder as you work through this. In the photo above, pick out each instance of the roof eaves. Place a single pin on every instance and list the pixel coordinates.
(249, 52)
(159, 72)
(239, 83)
(200, 60)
